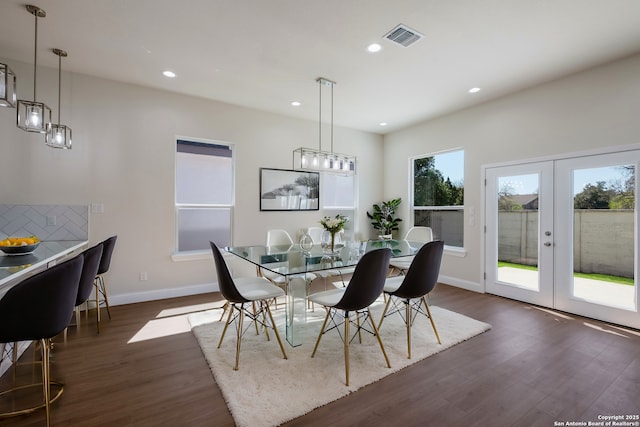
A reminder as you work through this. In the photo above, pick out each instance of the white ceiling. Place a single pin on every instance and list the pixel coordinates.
(266, 53)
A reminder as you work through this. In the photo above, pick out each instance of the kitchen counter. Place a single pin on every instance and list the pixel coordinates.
(14, 268)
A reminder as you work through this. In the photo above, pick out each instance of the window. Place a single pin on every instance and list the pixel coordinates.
(438, 195)
(204, 194)
(337, 191)
(338, 196)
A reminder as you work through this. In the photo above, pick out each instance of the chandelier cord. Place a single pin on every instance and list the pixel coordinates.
(35, 58)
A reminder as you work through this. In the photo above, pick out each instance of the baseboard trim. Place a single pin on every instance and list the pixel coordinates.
(159, 294)
(459, 283)
(183, 291)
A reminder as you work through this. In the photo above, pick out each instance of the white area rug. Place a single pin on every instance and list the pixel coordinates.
(268, 390)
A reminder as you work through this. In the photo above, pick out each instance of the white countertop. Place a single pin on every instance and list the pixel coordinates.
(14, 268)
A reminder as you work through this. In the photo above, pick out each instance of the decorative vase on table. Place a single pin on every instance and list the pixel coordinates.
(306, 243)
(332, 226)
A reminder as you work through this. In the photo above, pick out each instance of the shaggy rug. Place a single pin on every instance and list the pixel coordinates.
(268, 390)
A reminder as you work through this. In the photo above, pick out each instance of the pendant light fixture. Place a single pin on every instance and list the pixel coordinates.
(318, 160)
(33, 116)
(7, 86)
(58, 135)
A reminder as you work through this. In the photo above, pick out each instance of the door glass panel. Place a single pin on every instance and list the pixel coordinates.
(518, 230)
(603, 235)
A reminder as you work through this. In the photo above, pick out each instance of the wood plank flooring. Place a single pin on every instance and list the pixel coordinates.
(533, 368)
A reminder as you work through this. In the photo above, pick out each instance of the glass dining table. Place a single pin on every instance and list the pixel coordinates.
(299, 267)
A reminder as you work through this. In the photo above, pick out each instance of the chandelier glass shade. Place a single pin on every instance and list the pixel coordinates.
(58, 136)
(33, 116)
(7, 86)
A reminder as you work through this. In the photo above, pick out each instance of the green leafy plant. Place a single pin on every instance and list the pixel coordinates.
(383, 217)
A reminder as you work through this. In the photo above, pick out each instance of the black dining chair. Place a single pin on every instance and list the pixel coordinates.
(92, 257)
(255, 291)
(100, 286)
(38, 309)
(363, 289)
(412, 288)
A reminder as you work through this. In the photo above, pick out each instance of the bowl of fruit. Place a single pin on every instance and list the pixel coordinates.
(19, 245)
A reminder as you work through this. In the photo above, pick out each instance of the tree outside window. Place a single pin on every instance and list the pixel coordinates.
(438, 195)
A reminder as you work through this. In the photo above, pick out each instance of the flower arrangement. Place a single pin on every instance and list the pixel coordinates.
(334, 225)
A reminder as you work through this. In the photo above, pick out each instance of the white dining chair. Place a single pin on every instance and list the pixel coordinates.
(414, 234)
(279, 237)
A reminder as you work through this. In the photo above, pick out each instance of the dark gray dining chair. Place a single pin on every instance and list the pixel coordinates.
(412, 288)
(251, 299)
(363, 289)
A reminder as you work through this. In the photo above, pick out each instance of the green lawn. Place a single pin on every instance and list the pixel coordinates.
(594, 276)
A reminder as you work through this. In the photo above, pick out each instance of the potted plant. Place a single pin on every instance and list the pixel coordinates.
(383, 217)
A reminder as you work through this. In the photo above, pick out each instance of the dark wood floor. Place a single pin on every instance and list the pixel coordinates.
(534, 367)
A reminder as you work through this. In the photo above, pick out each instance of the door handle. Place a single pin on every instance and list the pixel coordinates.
(547, 244)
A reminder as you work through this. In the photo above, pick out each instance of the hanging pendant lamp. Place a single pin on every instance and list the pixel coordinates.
(318, 160)
(7, 86)
(33, 116)
(58, 135)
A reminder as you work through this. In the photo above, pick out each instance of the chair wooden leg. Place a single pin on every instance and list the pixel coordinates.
(239, 335)
(264, 317)
(324, 325)
(275, 329)
(226, 325)
(373, 325)
(384, 312)
(224, 310)
(407, 306)
(346, 346)
(433, 325)
(253, 304)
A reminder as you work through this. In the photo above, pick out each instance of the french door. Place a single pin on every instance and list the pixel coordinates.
(563, 234)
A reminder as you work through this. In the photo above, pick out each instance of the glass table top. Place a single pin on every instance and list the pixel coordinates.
(288, 260)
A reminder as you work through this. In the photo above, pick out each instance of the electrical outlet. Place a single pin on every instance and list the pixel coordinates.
(51, 220)
(143, 276)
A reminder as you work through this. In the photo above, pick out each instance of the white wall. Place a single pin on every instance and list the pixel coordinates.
(123, 157)
(592, 109)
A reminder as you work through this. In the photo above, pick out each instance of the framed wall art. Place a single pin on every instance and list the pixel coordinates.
(289, 190)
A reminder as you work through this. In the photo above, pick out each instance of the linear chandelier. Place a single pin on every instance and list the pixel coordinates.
(33, 116)
(318, 160)
(58, 136)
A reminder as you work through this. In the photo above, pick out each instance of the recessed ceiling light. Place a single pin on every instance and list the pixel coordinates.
(474, 90)
(383, 123)
(169, 74)
(296, 103)
(374, 47)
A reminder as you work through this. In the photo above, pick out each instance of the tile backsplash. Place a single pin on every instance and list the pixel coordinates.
(48, 222)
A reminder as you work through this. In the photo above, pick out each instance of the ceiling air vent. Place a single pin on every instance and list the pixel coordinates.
(403, 35)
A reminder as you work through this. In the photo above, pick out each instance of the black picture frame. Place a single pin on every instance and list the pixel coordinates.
(289, 190)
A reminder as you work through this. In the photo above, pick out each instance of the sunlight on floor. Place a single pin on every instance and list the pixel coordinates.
(171, 321)
(552, 312)
(624, 332)
(190, 309)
